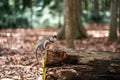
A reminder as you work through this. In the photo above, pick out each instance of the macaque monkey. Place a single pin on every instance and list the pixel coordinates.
(43, 45)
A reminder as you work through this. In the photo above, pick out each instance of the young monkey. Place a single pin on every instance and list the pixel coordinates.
(44, 45)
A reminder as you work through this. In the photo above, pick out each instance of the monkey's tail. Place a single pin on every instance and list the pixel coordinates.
(36, 54)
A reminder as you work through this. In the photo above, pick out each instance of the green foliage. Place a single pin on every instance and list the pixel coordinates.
(11, 21)
(9, 18)
(101, 17)
(45, 17)
(47, 13)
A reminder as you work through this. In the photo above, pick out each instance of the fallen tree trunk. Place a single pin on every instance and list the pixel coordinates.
(84, 65)
(56, 56)
(68, 56)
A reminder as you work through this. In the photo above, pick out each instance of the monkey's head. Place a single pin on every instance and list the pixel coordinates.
(53, 38)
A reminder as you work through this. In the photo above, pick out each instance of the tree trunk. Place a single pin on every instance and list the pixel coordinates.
(119, 17)
(80, 31)
(113, 21)
(75, 21)
(61, 34)
(69, 23)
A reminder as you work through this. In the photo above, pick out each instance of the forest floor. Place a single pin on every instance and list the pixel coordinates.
(17, 60)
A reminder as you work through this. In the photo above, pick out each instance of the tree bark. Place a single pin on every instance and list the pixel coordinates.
(75, 14)
(113, 22)
(61, 34)
(80, 31)
(69, 23)
(119, 17)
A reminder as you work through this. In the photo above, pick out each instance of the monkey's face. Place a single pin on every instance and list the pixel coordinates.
(53, 38)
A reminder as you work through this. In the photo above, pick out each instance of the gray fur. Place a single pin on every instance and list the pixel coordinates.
(43, 45)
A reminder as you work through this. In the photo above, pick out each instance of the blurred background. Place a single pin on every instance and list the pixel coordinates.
(48, 13)
(30, 13)
(71, 19)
